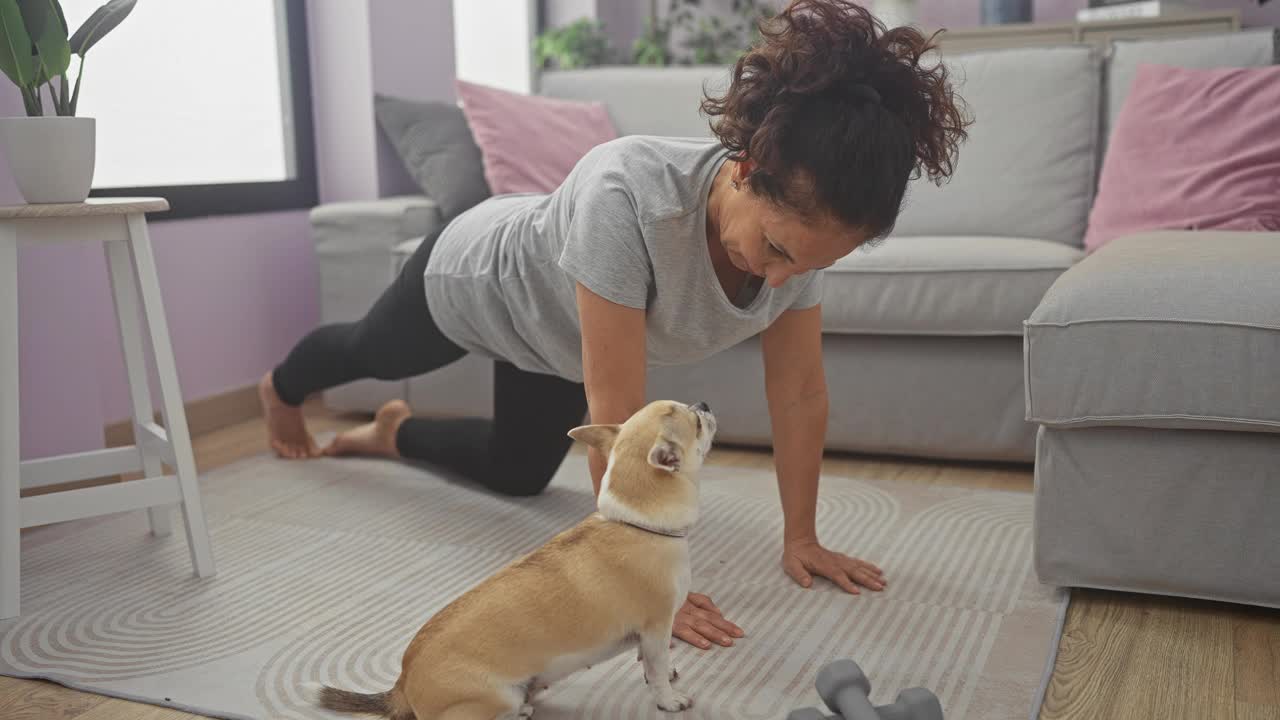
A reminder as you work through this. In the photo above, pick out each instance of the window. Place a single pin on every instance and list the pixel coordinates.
(204, 102)
(493, 43)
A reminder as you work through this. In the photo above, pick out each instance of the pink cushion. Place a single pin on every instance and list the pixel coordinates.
(530, 143)
(1192, 149)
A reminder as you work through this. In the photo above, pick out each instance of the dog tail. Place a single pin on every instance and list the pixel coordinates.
(331, 698)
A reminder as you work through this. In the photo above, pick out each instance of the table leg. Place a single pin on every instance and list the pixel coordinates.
(10, 462)
(175, 416)
(124, 294)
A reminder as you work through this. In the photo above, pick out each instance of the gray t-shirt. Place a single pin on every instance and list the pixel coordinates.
(629, 223)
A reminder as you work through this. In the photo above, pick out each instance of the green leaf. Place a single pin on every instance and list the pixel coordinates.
(15, 46)
(102, 21)
(48, 28)
(75, 94)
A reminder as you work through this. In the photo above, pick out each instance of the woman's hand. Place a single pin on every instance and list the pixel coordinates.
(701, 623)
(802, 559)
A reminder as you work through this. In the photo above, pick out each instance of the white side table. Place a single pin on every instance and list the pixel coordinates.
(120, 224)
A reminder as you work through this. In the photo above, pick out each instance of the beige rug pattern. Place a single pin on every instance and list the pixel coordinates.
(327, 568)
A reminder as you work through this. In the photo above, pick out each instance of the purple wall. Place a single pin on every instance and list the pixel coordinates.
(963, 13)
(238, 290)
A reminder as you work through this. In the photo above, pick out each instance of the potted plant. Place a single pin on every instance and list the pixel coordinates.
(50, 151)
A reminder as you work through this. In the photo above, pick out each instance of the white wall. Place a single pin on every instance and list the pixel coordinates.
(342, 100)
(565, 12)
(493, 42)
(412, 44)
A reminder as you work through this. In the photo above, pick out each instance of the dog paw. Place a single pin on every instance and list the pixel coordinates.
(674, 702)
(526, 711)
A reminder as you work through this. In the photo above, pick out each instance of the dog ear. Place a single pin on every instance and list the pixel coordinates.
(665, 455)
(600, 437)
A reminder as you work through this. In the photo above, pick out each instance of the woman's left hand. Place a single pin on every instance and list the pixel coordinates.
(802, 559)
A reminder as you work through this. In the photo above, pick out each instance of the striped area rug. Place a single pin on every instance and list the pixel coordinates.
(327, 568)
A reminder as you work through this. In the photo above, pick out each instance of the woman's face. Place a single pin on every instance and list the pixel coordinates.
(771, 242)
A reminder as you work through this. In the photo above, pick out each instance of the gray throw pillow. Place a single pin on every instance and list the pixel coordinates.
(438, 149)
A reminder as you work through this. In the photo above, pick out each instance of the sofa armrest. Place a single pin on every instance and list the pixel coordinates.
(358, 227)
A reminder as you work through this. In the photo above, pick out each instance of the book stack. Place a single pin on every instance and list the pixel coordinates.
(1099, 10)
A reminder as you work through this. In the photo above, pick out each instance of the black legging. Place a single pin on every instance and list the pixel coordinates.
(516, 453)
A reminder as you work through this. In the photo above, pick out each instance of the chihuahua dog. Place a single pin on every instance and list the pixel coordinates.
(609, 584)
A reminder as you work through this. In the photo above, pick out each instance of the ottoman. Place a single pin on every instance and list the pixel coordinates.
(1153, 371)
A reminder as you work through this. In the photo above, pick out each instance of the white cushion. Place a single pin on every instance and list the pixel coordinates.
(642, 100)
(942, 285)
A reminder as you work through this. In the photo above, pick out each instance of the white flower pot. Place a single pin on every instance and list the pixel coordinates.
(51, 158)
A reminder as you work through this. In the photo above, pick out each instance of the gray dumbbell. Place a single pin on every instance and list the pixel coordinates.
(844, 688)
(807, 714)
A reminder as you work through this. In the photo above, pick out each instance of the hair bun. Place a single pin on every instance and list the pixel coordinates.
(866, 92)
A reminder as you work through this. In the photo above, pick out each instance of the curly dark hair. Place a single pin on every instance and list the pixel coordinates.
(836, 113)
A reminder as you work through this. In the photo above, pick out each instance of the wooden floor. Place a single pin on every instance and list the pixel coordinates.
(1126, 657)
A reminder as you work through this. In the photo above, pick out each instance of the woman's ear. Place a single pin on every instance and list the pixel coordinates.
(742, 172)
(600, 437)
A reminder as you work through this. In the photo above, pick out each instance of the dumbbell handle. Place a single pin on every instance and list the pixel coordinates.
(851, 703)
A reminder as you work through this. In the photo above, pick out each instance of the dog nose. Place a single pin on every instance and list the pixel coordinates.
(702, 407)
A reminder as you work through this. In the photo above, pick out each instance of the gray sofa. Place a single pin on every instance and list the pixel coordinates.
(924, 334)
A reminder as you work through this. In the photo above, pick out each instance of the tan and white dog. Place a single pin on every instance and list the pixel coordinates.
(609, 584)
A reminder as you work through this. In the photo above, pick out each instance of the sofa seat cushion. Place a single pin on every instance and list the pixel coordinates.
(1166, 329)
(362, 226)
(942, 285)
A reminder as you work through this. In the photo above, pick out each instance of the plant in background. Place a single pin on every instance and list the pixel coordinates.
(713, 41)
(35, 51)
(703, 37)
(753, 13)
(654, 46)
(718, 41)
(580, 44)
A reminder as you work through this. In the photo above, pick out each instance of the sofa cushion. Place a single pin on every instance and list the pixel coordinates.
(1028, 167)
(643, 101)
(942, 285)
(1164, 329)
(438, 150)
(362, 226)
(530, 144)
(1192, 150)
(1249, 48)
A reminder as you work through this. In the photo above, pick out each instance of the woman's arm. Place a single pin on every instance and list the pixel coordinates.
(613, 364)
(796, 387)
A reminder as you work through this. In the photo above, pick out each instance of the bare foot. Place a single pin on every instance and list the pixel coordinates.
(374, 438)
(286, 428)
